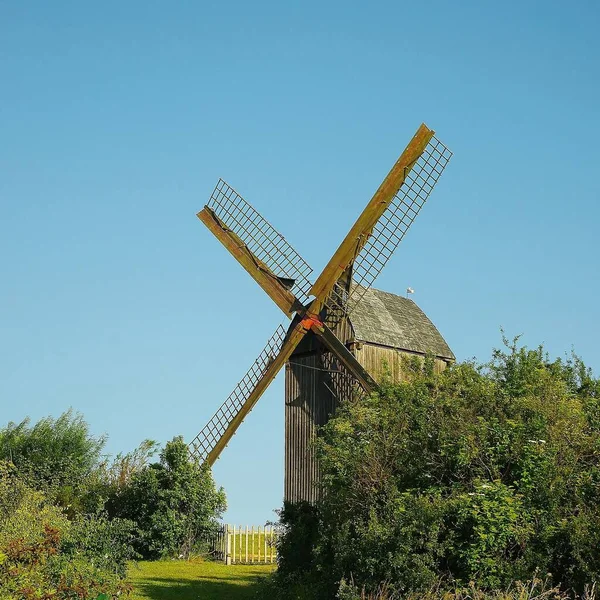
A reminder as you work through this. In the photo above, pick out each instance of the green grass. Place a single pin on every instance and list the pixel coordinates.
(183, 580)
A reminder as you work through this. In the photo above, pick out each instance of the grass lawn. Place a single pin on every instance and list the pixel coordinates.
(182, 580)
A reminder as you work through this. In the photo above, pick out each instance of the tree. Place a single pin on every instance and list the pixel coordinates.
(58, 456)
(123, 467)
(484, 473)
(174, 502)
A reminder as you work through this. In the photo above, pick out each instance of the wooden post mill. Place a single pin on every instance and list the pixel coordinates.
(344, 335)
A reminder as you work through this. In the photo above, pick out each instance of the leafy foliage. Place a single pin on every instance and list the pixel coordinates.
(119, 472)
(174, 503)
(535, 589)
(57, 538)
(298, 534)
(482, 473)
(45, 555)
(58, 456)
(103, 543)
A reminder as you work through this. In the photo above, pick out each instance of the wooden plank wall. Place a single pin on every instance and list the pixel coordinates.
(308, 405)
(381, 360)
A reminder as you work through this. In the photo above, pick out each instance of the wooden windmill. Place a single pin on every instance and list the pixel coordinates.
(335, 320)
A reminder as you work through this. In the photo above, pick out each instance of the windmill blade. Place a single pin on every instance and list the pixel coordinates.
(258, 246)
(381, 226)
(216, 434)
(277, 288)
(392, 226)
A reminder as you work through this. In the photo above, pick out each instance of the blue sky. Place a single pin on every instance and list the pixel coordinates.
(117, 119)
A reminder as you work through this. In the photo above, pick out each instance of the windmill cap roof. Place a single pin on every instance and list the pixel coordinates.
(389, 320)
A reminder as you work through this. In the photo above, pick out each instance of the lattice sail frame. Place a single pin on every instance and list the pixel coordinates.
(261, 238)
(389, 230)
(206, 440)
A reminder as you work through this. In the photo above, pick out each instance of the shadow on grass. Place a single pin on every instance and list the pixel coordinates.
(208, 587)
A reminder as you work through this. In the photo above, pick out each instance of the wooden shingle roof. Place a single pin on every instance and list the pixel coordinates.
(390, 320)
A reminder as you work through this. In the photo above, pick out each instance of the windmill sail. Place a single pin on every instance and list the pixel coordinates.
(392, 226)
(262, 240)
(382, 225)
(216, 434)
(206, 442)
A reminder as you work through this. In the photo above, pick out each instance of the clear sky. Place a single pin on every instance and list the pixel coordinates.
(117, 119)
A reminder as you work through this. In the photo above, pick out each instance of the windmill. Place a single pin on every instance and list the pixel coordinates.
(330, 361)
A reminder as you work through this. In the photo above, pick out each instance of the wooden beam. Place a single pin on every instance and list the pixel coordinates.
(286, 351)
(345, 356)
(257, 269)
(361, 230)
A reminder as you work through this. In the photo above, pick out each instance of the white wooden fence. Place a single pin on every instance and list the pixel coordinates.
(245, 544)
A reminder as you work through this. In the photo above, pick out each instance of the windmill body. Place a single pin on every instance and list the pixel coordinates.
(342, 331)
(382, 329)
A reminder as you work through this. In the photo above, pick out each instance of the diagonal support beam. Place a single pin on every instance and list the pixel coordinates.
(345, 356)
(276, 287)
(359, 234)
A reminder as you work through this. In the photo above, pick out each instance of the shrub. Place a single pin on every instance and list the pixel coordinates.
(44, 555)
(24, 512)
(57, 456)
(103, 543)
(483, 473)
(298, 531)
(535, 589)
(174, 503)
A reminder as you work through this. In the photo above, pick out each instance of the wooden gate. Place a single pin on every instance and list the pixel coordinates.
(244, 544)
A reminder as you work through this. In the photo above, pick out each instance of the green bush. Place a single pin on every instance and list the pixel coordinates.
(485, 473)
(535, 589)
(174, 504)
(24, 512)
(298, 533)
(45, 555)
(70, 520)
(103, 543)
(57, 456)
